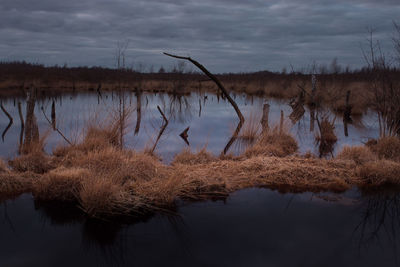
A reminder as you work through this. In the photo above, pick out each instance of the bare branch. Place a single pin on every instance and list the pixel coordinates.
(212, 77)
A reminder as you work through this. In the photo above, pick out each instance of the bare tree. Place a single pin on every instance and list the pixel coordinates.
(396, 41)
(120, 54)
(383, 86)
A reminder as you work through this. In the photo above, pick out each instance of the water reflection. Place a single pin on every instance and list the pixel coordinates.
(215, 126)
(380, 220)
(251, 224)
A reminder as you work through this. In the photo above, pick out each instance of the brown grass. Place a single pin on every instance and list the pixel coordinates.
(273, 143)
(386, 148)
(380, 173)
(60, 184)
(358, 154)
(36, 162)
(3, 166)
(186, 156)
(12, 184)
(105, 180)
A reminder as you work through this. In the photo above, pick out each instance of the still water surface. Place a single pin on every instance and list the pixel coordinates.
(253, 227)
(212, 121)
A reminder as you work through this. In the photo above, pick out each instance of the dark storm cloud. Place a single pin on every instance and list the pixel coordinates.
(225, 35)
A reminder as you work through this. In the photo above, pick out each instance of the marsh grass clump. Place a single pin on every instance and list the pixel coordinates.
(379, 173)
(186, 156)
(3, 167)
(358, 154)
(273, 142)
(36, 162)
(61, 184)
(103, 196)
(32, 158)
(12, 184)
(386, 147)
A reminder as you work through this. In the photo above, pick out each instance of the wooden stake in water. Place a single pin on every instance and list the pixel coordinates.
(265, 117)
(281, 123)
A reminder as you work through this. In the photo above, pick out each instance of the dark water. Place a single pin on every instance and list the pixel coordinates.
(212, 121)
(254, 227)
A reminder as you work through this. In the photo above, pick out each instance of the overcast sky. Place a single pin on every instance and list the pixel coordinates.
(224, 35)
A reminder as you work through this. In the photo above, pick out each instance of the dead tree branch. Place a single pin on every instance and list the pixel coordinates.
(212, 77)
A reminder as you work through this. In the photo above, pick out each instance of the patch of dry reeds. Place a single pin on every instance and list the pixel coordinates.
(61, 184)
(380, 173)
(36, 162)
(186, 156)
(13, 184)
(358, 154)
(3, 166)
(273, 142)
(386, 147)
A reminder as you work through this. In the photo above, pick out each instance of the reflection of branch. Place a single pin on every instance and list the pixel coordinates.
(21, 118)
(9, 124)
(162, 129)
(233, 138)
(138, 111)
(381, 215)
(212, 77)
(56, 128)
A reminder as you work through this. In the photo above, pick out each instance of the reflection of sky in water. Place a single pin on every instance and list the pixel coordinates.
(212, 129)
(255, 227)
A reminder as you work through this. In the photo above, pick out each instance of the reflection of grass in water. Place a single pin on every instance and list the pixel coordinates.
(326, 139)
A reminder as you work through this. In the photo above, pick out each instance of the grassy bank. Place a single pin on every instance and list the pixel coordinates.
(105, 180)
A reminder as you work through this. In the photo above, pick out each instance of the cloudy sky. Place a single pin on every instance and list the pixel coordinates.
(224, 35)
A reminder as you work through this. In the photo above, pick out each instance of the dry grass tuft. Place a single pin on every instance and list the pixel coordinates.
(386, 147)
(288, 173)
(273, 143)
(36, 162)
(60, 184)
(34, 147)
(12, 184)
(3, 167)
(359, 154)
(186, 156)
(380, 173)
(102, 196)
